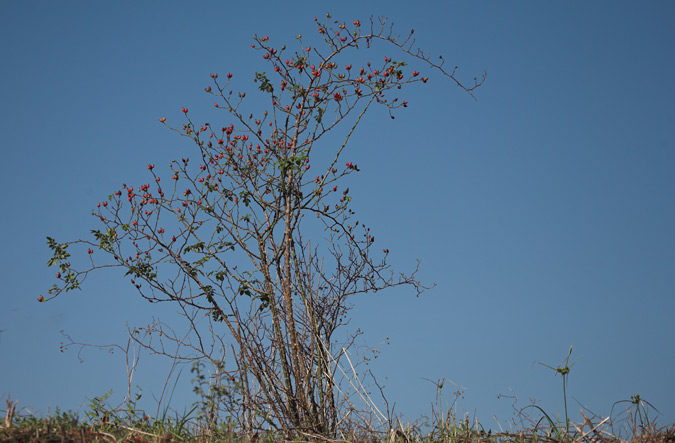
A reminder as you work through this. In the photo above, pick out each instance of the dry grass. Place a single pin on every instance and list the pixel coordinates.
(66, 427)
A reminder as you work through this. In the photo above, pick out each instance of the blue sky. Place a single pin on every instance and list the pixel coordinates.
(543, 212)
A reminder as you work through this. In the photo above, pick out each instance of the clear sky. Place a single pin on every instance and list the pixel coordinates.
(544, 212)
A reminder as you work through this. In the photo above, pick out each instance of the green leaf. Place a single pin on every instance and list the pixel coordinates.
(265, 84)
(60, 253)
(319, 117)
(209, 291)
(199, 246)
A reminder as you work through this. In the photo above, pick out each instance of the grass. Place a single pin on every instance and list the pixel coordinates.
(632, 420)
(633, 424)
